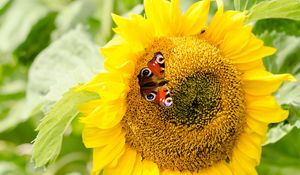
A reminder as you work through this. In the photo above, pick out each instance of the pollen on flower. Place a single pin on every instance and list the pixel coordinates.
(208, 113)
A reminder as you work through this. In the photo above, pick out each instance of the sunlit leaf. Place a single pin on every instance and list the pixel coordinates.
(11, 160)
(19, 113)
(286, 26)
(103, 14)
(16, 24)
(12, 93)
(4, 5)
(237, 4)
(71, 60)
(288, 9)
(77, 12)
(9, 168)
(36, 41)
(56, 5)
(48, 142)
(278, 132)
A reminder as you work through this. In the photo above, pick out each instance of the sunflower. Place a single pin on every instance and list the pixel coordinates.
(219, 94)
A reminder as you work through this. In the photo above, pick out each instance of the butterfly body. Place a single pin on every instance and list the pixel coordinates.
(153, 85)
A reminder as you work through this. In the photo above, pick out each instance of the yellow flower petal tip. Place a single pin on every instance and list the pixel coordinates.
(291, 78)
(181, 95)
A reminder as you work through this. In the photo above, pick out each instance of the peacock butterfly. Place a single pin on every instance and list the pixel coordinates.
(153, 85)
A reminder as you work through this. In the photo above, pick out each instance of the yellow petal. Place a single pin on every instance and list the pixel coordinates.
(202, 172)
(89, 107)
(95, 172)
(260, 82)
(235, 40)
(217, 169)
(213, 171)
(257, 64)
(102, 156)
(109, 85)
(119, 56)
(125, 164)
(138, 166)
(106, 115)
(150, 168)
(115, 48)
(257, 126)
(220, 5)
(252, 55)
(224, 169)
(115, 162)
(221, 24)
(109, 90)
(158, 12)
(175, 24)
(95, 137)
(140, 37)
(195, 18)
(252, 51)
(257, 139)
(126, 66)
(265, 109)
(169, 172)
(250, 146)
(244, 164)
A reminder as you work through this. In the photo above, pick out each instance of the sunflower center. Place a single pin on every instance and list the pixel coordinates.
(199, 98)
(207, 116)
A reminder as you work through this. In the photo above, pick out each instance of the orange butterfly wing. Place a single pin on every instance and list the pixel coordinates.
(152, 83)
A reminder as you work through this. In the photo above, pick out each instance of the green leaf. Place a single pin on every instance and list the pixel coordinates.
(71, 60)
(36, 40)
(13, 160)
(103, 14)
(48, 142)
(288, 9)
(278, 132)
(288, 95)
(286, 26)
(56, 5)
(4, 5)
(9, 168)
(77, 12)
(19, 113)
(237, 5)
(16, 24)
(282, 158)
(12, 93)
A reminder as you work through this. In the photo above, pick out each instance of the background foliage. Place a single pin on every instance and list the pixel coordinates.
(49, 46)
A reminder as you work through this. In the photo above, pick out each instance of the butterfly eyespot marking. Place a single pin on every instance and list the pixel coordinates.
(159, 58)
(168, 102)
(146, 72)
(153, 85)
(150, 97)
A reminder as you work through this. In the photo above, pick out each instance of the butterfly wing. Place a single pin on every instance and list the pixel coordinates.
(152, 83)
(157, 65)
(163, 97)
(152, 77)
(149, 83)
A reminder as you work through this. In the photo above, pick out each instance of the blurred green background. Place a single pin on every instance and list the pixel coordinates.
(49, 46)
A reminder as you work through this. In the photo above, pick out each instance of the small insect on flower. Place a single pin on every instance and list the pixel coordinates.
(153, 85)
